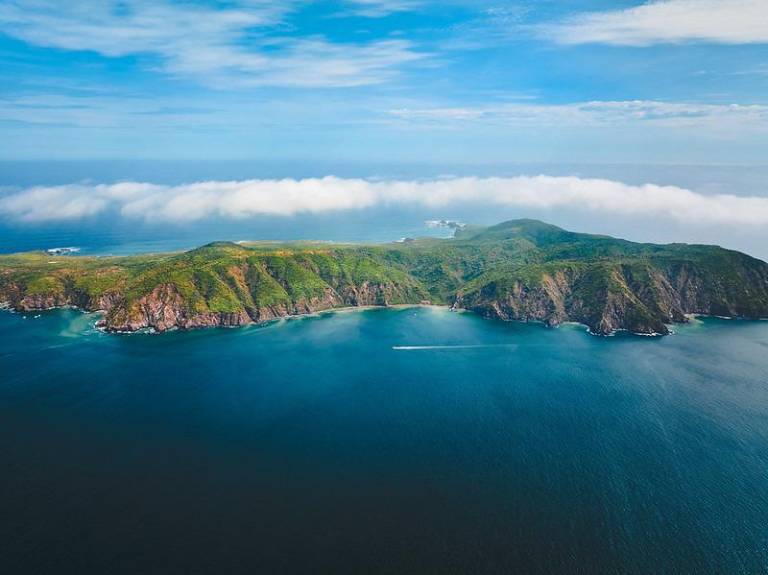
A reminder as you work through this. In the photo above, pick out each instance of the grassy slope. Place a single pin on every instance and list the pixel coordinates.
(482, 264)
(602, 268)
(220, 277)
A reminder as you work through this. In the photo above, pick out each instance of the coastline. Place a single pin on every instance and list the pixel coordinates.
(5, 306)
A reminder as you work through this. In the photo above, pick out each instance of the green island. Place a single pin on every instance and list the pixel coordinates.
(518, 270)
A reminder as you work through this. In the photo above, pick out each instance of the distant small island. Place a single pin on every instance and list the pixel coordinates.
(450, 224)
(62, 251)
(523, 270)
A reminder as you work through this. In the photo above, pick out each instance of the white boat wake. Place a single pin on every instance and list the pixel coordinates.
(449, 347)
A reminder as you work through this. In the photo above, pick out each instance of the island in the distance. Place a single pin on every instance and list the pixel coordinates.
(518, 270)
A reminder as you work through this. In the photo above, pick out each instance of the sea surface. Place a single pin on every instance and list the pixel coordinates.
(410, 440)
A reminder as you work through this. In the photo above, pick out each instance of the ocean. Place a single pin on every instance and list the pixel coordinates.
(407, 440)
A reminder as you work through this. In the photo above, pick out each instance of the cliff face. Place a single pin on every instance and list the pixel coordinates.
(165, 308)
(520, 270)
(559, 300)
(641, 298)
(39, 302)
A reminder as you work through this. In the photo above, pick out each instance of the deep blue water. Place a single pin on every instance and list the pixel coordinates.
(320, 445)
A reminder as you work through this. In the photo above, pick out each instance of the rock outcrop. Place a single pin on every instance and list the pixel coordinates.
(642, 299)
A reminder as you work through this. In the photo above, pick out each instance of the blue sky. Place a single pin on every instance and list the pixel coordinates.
(679, 81)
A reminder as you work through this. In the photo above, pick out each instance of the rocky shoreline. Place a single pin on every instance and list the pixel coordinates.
(518, 271)
(102, 326)
(164, 309)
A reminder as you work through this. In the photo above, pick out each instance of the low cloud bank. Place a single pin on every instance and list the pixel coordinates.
(287, 197)
(668, 22)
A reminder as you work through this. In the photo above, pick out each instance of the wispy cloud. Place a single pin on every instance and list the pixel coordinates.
(234, 113)
(243, 44)
(667, 21)
(244, 199)
(379, 8)
(597, 113)
(105, 111)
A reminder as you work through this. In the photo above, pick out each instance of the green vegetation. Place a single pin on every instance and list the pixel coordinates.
(523, 269)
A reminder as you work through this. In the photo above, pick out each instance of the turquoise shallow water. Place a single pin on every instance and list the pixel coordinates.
(407, 440)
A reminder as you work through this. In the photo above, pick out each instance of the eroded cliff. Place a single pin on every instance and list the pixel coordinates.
(521, 270)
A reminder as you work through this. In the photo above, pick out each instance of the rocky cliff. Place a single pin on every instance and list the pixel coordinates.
(214, 289)
(637, 288)
(520, 270)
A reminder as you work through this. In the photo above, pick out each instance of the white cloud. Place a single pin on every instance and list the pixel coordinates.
(378, 8)
(668, 21)
(597, 113)
(244, 199)
(243, 44)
